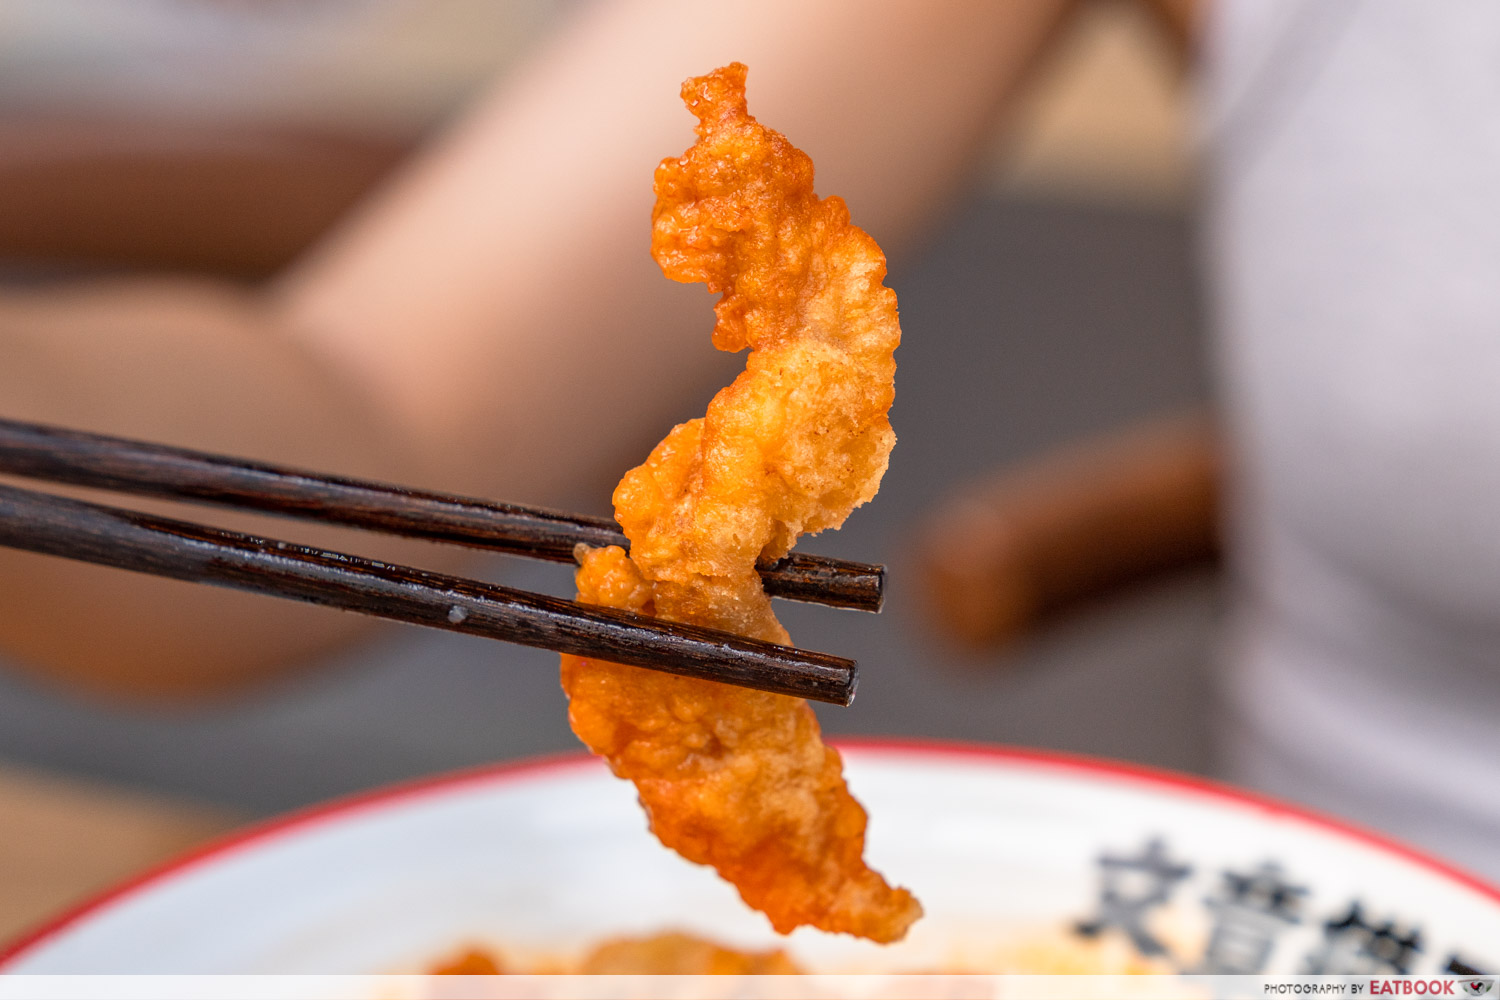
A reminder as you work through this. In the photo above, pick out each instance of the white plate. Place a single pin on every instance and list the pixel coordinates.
(1004, 848)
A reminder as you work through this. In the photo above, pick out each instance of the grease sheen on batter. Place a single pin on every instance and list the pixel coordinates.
(732, 778)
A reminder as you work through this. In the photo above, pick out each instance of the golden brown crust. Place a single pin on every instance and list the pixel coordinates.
(733, 778)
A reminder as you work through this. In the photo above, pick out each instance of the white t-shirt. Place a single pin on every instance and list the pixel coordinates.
(1352, 152)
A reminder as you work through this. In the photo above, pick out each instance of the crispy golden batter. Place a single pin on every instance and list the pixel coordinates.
(733, 778)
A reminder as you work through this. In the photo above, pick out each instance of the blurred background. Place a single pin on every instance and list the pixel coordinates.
(224, 137)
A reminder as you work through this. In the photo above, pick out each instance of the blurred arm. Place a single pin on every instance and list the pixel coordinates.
(505, 282)
(492, 322)
(200, 364)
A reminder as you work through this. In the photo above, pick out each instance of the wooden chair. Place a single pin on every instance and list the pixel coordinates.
(1035, 541)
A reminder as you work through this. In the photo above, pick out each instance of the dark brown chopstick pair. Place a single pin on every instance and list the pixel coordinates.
(111, 536)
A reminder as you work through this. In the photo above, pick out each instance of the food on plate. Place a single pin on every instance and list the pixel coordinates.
(677, 953)
(469, 962)
(671, 953)
(733, 778)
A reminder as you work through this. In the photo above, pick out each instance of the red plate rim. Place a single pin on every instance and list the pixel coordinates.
(343, 807)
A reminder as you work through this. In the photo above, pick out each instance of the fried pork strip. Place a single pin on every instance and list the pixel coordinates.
(732, 778)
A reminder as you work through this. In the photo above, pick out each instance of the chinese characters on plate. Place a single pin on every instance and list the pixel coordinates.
(1249, 910)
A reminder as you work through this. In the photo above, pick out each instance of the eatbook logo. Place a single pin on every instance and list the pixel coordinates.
(1479, 987)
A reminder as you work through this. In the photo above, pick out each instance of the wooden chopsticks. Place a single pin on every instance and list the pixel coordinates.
(111, 536)
(37, 451)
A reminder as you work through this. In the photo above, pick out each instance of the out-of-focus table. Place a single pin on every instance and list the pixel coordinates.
(62, 840)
